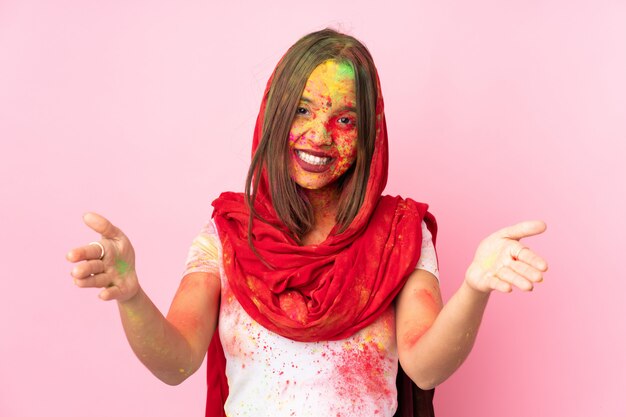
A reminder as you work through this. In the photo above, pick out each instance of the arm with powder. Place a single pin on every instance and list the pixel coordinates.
(434, 341)
(171, 347)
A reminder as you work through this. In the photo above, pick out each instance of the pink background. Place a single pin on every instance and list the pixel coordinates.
(143, 111)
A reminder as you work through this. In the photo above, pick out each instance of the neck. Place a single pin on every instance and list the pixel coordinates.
(324, 202)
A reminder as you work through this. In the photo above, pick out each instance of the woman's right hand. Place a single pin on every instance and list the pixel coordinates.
(115, 272)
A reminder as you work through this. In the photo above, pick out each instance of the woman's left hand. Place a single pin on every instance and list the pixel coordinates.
(502, 261)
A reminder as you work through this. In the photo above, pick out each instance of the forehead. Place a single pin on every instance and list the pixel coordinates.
(332, 75)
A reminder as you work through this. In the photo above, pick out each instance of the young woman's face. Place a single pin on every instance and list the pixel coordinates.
(323, 136)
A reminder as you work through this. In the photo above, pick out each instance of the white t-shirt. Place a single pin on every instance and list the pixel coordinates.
(270, 375)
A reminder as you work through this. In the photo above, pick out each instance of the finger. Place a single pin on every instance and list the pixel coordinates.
(85, 253)
(96, 281)
(88, 268)
(110, 293)
(522, 230)
(507, 274)
(526, 271)
(499, 285)
(532, 259)
(102, 225)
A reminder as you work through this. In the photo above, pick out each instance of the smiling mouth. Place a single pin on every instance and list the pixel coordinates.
(313, 159)
(313, 163)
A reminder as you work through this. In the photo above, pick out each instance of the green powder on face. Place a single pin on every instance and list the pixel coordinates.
(345, 70)
(121, 266)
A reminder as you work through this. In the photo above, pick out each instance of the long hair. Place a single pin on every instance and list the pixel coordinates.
(272, 154)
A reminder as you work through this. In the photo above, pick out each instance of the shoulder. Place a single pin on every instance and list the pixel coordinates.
(204, 251)
(428, 254)
(208, 237)
(429, 223)
(412, 209)
(419, 211)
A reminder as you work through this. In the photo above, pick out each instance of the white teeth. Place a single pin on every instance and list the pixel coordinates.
(312, 159)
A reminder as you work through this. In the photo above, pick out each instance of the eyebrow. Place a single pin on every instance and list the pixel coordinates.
(305, 99)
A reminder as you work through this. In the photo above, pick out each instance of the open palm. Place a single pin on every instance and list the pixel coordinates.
(502, 262)
(115, 271)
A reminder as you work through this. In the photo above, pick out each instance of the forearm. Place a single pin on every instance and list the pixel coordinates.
(448, 342)
(155, 341)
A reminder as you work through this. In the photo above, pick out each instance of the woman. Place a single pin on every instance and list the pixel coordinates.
(321, 285)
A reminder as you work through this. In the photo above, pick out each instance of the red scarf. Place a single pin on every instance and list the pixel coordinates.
(319, 292)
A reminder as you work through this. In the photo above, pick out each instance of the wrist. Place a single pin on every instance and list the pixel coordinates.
(474, 293)
(133, 298)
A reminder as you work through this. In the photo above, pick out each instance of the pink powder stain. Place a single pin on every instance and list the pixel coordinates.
(418, 328)
(427, 300)
(241, 337)
(411, 337)
(286, 386)
(232, 345)
(364, 371)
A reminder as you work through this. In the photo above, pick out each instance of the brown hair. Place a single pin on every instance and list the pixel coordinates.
(289, 79)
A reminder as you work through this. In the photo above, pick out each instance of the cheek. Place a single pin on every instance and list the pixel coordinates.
(296, 132)
(293, 137)
(346, 145)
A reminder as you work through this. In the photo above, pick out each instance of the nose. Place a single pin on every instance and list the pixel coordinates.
(319, 135)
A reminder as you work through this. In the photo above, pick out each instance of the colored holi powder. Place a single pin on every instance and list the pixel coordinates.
(132, 316)
(384, 329)
(345, 70)
(121, 266)
(286, 386)
(187, 318)
(232, 341)
(207, 244)
(232, 344)
(363, 372)
(426, 299)
(293, 304)
(328, 123)
(366, 368)
(364, 296)
(195, 285)
(489, 262)
(354, 372)
(412, 336)
(227, 299)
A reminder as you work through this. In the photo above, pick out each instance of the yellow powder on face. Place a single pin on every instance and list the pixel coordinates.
(334, 81)
(328, 122)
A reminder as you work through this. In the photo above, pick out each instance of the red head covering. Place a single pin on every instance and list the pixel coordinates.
(319, 292)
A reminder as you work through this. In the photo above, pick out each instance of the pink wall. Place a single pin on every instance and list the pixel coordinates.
(143, 111)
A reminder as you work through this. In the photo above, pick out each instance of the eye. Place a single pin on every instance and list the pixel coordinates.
(345, 120)
(302, 110)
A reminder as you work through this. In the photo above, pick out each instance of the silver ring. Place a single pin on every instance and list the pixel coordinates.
(516, 255)
(101, 248)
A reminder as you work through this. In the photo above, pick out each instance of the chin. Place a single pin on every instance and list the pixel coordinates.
(311, 186)
(312, 182)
